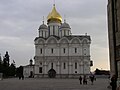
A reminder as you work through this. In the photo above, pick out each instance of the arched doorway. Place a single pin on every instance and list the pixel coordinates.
(52, 73)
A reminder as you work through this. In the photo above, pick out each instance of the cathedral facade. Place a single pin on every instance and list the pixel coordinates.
(58, 53)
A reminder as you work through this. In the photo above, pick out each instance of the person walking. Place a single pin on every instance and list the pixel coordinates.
(114, 82)
(80, 79)
(84, 80)
(92, 78)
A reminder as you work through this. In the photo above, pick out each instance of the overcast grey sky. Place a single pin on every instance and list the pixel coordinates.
(20, 19)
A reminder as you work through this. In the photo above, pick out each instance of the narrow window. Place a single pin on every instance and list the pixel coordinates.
(75, 50)
(40, 69)
(63, 50)
(51, 65)
(45, 34)
(84, 51)
(75, 65)
(49, 30)
(51, 50)
(53, 30)
(68, 32)
(41, 51)
(42, 33)
(61, 33)
(64, 33)
(64, 66)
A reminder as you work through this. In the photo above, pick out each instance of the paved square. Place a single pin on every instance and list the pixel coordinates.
(51, 84)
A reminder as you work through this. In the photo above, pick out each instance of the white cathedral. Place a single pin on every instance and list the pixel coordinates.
(58, 53)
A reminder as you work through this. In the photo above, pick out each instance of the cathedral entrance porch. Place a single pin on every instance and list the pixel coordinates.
(52, 73)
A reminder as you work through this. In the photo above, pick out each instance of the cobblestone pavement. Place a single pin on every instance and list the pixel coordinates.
(51, 84)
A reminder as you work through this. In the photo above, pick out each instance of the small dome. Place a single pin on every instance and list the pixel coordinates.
(65, 25)
(43, 26)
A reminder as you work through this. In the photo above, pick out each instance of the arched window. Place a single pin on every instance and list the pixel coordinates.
(51, 50)
(45, 33)
(75, 50)
(63, 50)
(64, 66)
(49, 30)
(64, 32)
(75, 65)
(42, 33)
(53, 30)
(51, 65)
(41, 51)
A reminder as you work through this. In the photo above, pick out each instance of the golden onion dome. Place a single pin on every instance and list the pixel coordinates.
(54, 15)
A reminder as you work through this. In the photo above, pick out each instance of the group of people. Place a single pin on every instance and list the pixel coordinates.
(84, 79)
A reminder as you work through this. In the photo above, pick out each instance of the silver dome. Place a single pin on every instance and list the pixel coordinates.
(43, 26)
(65, 25)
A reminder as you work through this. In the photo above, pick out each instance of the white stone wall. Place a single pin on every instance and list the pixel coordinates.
(59, 57)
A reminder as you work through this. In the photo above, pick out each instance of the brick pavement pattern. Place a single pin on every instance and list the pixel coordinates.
(51, 84)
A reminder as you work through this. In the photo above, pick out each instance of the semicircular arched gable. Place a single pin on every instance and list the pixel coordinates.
(75, 40)
(51, 40)
(64, 40)
(85, 41)
(40, 41)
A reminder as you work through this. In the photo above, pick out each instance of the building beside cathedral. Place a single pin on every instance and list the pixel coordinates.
(58, 53)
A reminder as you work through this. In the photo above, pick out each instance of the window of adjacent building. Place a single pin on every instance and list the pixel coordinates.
(75, 71)
(118, 53)
(40, 69)
(75, 50)
(64, 65)
(63, 50)
(51, 65)
(51, 50)
(41, 51)
(75, 65)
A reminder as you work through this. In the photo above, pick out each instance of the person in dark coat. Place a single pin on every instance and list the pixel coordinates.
(92, 78)
(85, 80)
(114, 82)
(80, 79)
